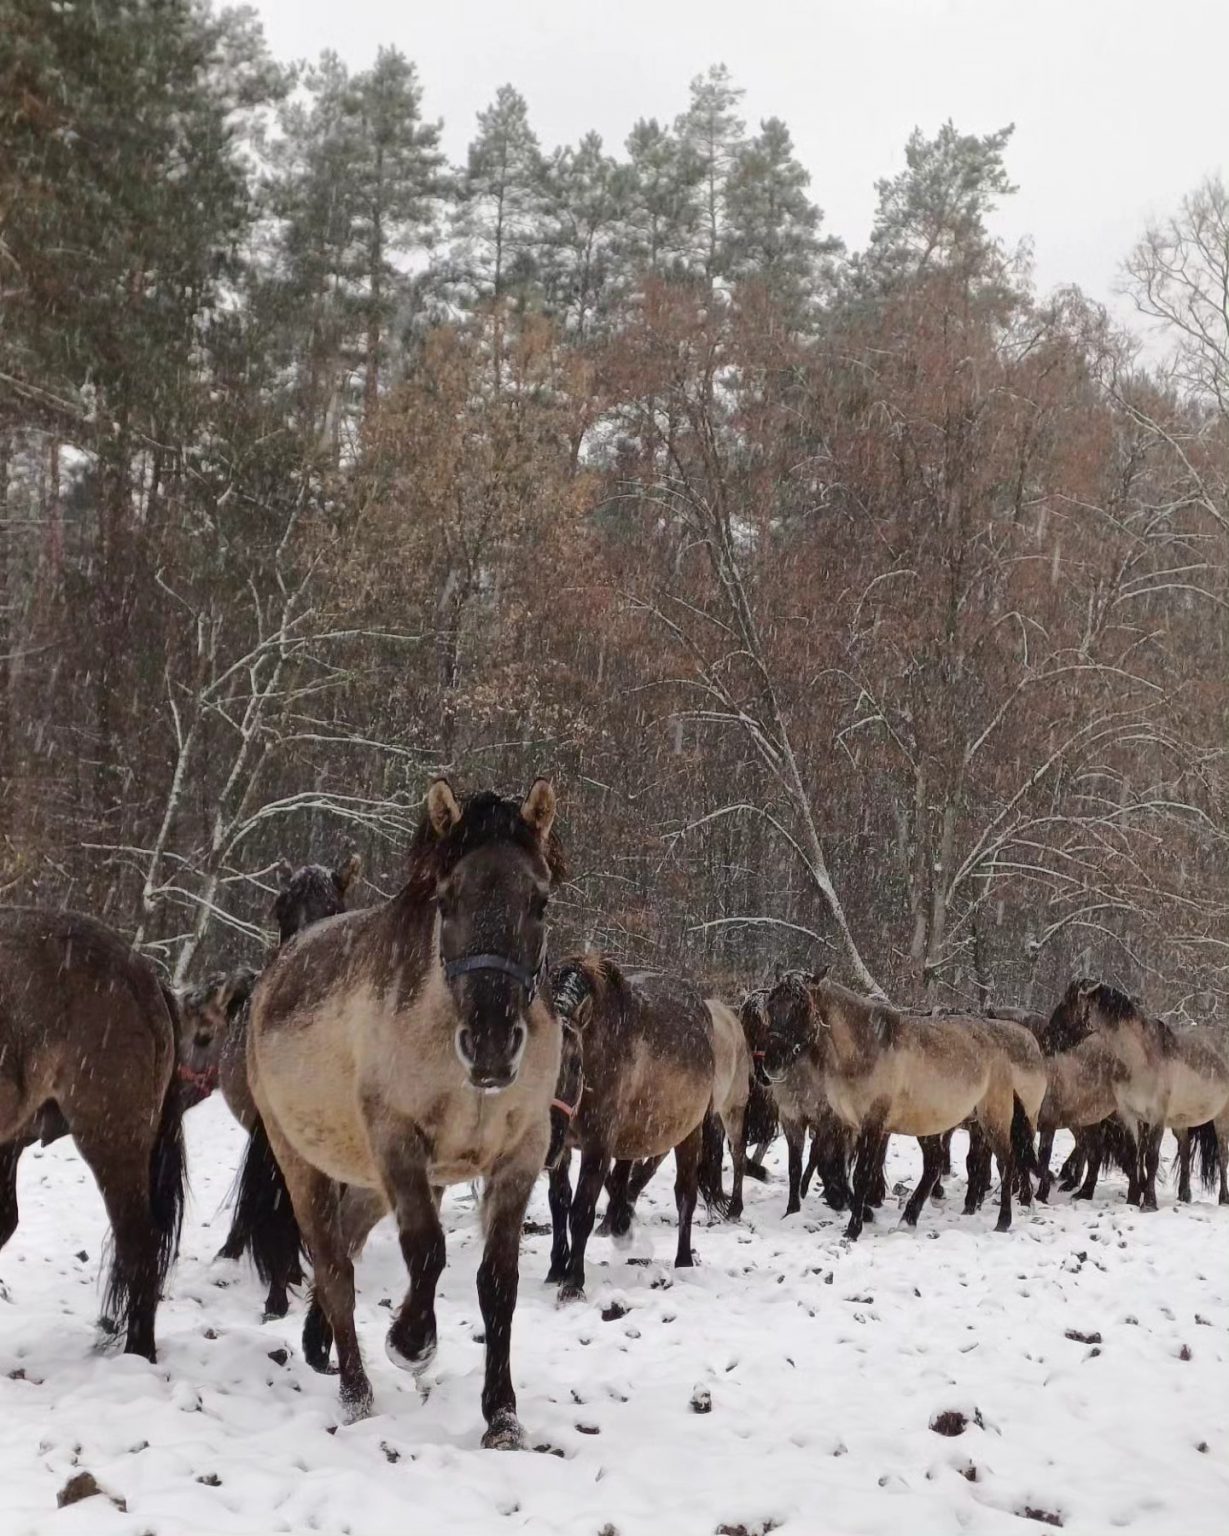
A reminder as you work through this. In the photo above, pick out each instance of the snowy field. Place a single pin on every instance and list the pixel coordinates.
(826, 1365)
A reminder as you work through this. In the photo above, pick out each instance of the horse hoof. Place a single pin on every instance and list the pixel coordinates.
(735, 1212)
(1150, 1204)
(938, 1193)
(569, 1291)
(792, 1208)
(1003, 1224)
(275, 1307)
(685, 1261)
(357, 1403)
(908, 1219)
(230, 1252)
(556, 1274)
(415, 1364)
(853, 1231)
(504, 1433)
(603, 1227)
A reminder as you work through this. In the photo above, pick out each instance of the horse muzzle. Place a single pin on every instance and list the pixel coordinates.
(492, 1059)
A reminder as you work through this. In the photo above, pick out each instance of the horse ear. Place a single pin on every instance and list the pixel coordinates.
(538, 807)
(443, 812)
(235, 988)
(345, 874)
(285, 872)
(817, 976)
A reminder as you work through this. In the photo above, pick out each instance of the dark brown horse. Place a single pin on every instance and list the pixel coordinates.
(87, 1041)
(408, 1047)
(649, 1066)
(801, 1105)
(213, 1040)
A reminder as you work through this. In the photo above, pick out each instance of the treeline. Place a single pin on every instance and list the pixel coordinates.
(861, 603)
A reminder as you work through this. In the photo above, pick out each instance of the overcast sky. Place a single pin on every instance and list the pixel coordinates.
(1120, 106)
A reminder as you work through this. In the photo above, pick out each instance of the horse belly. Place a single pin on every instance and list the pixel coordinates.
(1194, 1099)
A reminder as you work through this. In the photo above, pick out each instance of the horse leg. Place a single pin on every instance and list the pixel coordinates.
(119, 1159)
(998, 1137)
(686, 1187)
(945, 1168)
(838, 1194)
(560, 1197)
(1045, 1151)
(504, 1201)
(735, 1122)
(1150, 1158)
(412, 1338)
(316, 1202)
(10, 1155)
(1184, 1165)
(812, 1167)
(977, 1168)
(593, 1166)
(1072, 1170)
(1090, 1148)
(618, 1219)
(932, 1165)
(795, 1134)
(865, 1164)
(360, 1211)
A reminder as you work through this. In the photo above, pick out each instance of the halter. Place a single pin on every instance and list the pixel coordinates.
(560, 1104)
(466, 965)
(206, 1079)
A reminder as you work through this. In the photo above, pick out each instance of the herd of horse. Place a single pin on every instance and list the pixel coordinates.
(385, 1053)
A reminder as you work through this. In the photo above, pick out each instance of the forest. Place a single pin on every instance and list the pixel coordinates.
(864, 605)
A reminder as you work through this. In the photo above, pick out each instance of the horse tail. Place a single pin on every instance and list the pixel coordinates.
(1207, 1149)
(265, 1224)
(1023, 1151)
(710, 1164)
(1118, 1146)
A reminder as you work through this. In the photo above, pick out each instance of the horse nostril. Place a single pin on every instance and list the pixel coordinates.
(465, 1044)
(519, 1035)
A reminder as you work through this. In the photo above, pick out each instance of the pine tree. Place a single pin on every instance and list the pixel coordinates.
(584, 193)
(498, 223)
(396, 186)
(772, 235)
(662, 214)
(932, 216)
(712, 135)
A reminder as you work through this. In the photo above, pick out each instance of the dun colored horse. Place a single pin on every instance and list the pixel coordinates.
(407, 1047)
(87, 1038)
(649, 1070)
(885, 1072)
(214, 1029)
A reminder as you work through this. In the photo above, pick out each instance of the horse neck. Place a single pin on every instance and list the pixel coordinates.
(850, 1036)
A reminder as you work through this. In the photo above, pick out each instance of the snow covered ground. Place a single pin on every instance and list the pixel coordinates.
(826, 1365)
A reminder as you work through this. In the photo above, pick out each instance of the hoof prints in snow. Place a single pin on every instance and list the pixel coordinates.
(828, 1376)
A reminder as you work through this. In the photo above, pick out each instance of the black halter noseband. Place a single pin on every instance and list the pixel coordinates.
(465, 965)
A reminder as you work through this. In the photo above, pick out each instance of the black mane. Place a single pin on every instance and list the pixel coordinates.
(486, 818)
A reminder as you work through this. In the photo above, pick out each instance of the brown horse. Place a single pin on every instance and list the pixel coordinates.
(408, 1047)
(1081, 1092)
(649, 1069)
(802, 1106)
(87, 1040)
(213, 1037)
(885, 1072)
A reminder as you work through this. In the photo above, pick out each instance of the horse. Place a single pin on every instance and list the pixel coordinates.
(725, 1121)
(801, 1106)
(88, 1041)
(214, 1028)
(883, 1072)
(649, 1069)
(1026, 1068)
(1153, 1073)
(411, 1046)
(1198, 1111)
(1081, 1092)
